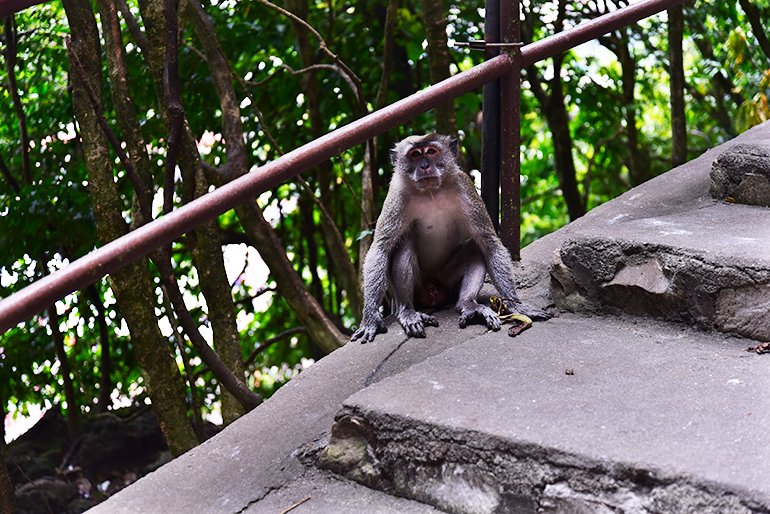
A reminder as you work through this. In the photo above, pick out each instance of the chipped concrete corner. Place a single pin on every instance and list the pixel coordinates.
(742, 174)
(663, 282)
(349, 452)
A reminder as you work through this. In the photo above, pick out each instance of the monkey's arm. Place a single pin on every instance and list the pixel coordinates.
(498, 259)
(500, 268)
(387, 232)
(375, 284)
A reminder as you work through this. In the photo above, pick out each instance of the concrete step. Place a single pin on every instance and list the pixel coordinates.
(576, 415)
(667, 249)
(322, 492)
(708, 266)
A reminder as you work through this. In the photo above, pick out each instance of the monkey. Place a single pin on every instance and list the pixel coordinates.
(434, 242)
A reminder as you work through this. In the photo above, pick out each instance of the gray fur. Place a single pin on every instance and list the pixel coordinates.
(434, 230)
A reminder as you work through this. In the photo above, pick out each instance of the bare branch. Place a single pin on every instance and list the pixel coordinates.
(269, 342)
(324, 48)
(77, 67)
(175, 109)
(10, 66)
(133, 26)
(9, 176)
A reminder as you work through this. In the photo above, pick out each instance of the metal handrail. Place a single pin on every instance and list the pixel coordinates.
(140, 242)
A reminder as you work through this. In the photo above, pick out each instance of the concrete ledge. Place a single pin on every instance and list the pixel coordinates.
(688, 270)
(579, 415)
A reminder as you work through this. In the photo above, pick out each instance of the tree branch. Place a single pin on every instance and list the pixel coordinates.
(323, 47)
(172, 88)
(9, 176)
(161, 257)
(755, 20)
(10, 66)
(269, 342)
(388, 44)
(133, 26)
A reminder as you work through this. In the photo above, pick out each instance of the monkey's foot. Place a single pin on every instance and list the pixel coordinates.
(532, 312)
(368, 330)
(414, 322)
(473, 312)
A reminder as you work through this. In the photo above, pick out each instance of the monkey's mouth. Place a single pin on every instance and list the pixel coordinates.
(431, 182)
(428, 180)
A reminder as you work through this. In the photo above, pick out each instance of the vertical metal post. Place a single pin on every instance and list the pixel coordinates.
(510, 131)
(490, 123)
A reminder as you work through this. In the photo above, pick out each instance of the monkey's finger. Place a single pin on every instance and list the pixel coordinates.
(415, 330)
(493, 322)
(429, 320)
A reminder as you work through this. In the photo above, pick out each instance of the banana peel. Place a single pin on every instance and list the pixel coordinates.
(519, 322)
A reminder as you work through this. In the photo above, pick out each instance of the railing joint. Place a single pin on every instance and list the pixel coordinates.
(480, 44)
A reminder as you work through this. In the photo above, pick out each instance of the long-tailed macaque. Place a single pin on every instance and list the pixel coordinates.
(434, 242)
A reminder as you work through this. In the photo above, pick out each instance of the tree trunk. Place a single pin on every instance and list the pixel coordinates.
(132, 285)
(6, 486)
(208, 260)
(639, 160)
(676, 71)
(435, 21)
(754, 14)
(64, 370)
(105, 362)
(209, 253)
(558, 121)
(557, 117)
(345, 272)
(369, 177)
(310, 313)
(10, 66)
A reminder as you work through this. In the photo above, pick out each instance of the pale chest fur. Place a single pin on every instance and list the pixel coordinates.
(437, 223)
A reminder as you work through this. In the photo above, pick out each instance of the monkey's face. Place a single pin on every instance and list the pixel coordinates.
(425, 165)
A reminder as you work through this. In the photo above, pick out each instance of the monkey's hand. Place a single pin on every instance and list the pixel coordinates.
(473, 312)
(532, 312)
(368, 329)
(414, 322)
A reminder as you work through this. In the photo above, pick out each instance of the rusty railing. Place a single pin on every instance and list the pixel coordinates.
(505, 67)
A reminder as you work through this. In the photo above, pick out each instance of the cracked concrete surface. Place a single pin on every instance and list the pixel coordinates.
(649, 414)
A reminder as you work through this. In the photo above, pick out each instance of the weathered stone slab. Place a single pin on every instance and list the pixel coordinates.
(742, 174)
(708, 265)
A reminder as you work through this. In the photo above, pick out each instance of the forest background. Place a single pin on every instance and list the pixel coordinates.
(115, 112)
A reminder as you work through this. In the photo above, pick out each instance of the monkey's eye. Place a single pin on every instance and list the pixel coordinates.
(414, 154)
(431, 151)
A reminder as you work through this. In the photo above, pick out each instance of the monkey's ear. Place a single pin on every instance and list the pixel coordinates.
(393, 156)
(454, 148)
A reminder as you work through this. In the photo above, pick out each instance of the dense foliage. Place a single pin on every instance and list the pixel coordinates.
(615, 93)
